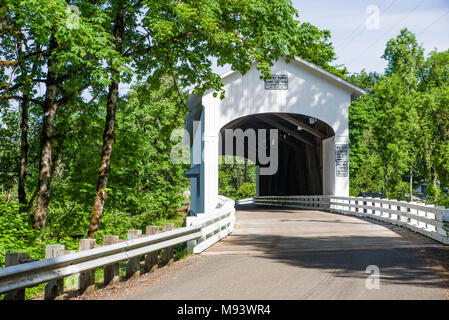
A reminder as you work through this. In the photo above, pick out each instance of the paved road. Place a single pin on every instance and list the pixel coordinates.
(294, 254)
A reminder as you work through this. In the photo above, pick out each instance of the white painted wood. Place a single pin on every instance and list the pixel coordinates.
(312, 91)
(428, 220)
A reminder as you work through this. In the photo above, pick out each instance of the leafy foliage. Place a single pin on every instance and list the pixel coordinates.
(246, 190)
(232, 175)
(399, 133)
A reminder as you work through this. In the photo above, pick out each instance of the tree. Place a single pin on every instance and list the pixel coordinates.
(405, 57)
(71, 56)
(232, 175)
(181, 38)
(388, 120)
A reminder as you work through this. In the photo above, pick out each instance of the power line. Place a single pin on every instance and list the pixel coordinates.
(383, 12)
(389, 30)
(359, 26)
(435, 21)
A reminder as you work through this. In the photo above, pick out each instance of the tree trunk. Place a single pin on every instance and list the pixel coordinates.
(23, 154)
(434, 176)
(45, 165)
(108, 136)
(245, 171)
(411, 184)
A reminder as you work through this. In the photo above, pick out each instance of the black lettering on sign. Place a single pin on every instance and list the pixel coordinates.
(277, 82)
(342, 160)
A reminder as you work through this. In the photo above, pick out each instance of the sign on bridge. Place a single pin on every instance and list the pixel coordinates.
(342, 160)
(277, 82)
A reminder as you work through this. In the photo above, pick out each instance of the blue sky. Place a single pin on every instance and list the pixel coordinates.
(359, 47)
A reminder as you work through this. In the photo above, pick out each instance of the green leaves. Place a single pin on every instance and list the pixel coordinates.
(16, 234)
(187, 36)
(246, 190)
(400, 132)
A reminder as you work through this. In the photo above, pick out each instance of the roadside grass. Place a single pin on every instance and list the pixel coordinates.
(180, 252)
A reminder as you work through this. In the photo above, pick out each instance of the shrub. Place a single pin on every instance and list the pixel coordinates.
(16, 234)
(246, 190)
(432, 192)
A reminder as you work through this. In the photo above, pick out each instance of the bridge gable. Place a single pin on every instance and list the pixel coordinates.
(302, 89)
(310, 91)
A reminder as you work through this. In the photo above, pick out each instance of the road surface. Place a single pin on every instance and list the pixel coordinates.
(297, 254)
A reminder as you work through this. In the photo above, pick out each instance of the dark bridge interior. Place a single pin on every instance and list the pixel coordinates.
(300, 158)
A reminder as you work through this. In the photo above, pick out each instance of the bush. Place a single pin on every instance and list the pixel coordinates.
(115, 223)
(401, 191)
(16, 234)
(246, 190)
(442, 200)
(432, 192)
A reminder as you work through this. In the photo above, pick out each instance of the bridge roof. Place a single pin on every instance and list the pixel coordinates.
(326, 74)
(194, 102)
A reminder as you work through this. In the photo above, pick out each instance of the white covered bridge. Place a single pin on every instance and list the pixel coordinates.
(294, 127)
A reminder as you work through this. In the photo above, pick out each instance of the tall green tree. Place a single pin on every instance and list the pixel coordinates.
(70, 52)
(433, 110)
(182, 38)
(393, 127)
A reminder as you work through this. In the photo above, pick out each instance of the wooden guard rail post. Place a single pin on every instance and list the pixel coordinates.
(12, 259)
(133, 264)
(54, 289)
(112, 272)
(87, 278)
(167, 254)
(151, 259)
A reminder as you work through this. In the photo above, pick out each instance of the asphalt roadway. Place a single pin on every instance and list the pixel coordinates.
(278, 253)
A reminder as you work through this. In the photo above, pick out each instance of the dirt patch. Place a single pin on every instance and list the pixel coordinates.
(437, 259)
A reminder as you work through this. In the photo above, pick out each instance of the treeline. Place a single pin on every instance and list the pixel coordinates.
(399, 132)
(91, 91)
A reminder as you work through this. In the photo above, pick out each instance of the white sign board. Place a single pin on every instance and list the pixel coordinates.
(342, 160)
(277, 82)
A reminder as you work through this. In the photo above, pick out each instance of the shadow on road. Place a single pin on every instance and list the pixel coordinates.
(414, 266)
(349, 256)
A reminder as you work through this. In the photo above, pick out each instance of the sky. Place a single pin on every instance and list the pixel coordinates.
(358, 39)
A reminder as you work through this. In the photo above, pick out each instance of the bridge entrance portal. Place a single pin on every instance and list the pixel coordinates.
(297, 147)
(301, 114)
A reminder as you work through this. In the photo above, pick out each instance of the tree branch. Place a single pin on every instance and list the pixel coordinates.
(19, 61)
(67, 97)
(38, 102)
(183, 35)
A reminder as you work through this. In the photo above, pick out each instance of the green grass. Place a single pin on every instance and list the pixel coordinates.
(180, 252)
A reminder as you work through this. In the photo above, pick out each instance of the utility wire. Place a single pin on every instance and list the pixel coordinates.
(359, 26)
(389, 30)
(435, 21)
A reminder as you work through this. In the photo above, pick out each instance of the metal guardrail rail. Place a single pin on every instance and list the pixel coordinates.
(33, 273)
(201, 232)
(428, 220)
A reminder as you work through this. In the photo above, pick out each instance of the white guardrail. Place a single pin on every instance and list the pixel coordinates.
(214, 226)
(428, 220)
(201, 232)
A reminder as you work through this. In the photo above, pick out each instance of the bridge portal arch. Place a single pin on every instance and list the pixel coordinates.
(298, 163)
(303, 107)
